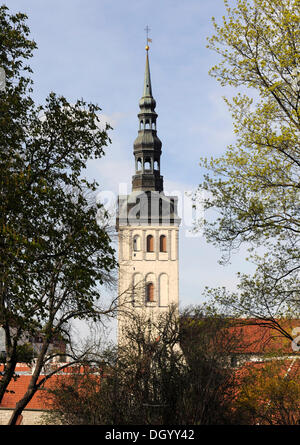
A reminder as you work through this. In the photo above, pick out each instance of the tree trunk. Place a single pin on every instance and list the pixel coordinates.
(32, 387)
(11, 356)
(7, 377)
(22, 403)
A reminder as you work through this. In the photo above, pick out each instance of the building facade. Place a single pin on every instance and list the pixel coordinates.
(147, 224)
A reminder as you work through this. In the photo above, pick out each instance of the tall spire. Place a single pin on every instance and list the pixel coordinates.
(147, 79)
(147, 102)
(147, 146)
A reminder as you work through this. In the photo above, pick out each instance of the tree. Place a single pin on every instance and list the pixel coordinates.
(255, 185)
(168, 371)
(270, 394)
(210, 346)
(55, 251)
(75, 399)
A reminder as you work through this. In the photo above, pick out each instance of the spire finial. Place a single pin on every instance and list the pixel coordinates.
(147, 29)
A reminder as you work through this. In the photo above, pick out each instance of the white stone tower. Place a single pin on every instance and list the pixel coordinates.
(147, 224)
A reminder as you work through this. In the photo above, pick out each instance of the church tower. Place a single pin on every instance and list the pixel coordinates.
(147, 224)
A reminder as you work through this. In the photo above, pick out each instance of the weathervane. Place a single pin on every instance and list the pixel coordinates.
(147, 29)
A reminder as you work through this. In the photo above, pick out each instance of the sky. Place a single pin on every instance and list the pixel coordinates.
(95, 50)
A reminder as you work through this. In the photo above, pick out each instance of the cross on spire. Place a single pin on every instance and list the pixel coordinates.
(147, 29)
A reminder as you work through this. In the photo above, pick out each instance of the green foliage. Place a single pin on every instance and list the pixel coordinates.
(270, 395)
(55, 252)
(254, 186)
(25, 353)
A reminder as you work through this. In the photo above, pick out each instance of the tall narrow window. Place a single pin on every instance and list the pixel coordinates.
(138, 290)
(163, 290)
(150, 292)
(147, 164)
(136, 243)
(163, 243)
(150, 243)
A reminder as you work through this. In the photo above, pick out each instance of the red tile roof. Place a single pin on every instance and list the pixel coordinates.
(17, 388)
(261, 337)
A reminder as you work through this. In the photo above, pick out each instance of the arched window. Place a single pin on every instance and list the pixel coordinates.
(147, 164)
(137, 289)
(150, 243)
(163, 290)
(136, 243)
(163, 243)
(139, 164)
(150, 292)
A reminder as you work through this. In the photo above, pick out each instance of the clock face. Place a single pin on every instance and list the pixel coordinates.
(2, 79)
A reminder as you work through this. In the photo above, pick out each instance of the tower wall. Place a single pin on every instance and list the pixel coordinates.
(139, 267)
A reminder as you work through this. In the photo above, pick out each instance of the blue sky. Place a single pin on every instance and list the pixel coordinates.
(95, 49)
